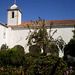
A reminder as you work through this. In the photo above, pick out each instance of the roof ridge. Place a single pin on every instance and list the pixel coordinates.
(69, 22)
(51, 20)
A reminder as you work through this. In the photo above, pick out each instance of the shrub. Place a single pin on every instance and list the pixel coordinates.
(18, 55)
(52, 49)
(10, 70)
(14, 56)
(18, 48)
(4, 47)
(70, 50)
(34, 48)
(5, 57)
(45, 65)
(70, 47)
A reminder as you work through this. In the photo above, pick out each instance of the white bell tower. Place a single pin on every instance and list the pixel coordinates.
(14, 15)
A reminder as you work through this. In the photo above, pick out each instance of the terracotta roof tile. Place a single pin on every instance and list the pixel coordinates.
(47, 23)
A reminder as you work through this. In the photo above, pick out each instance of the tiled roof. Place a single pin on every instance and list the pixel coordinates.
(47, 23)
(3, 25)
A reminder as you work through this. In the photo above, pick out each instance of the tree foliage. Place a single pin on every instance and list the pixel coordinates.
(14, 56)
(60, 43)
(41, 38)
(70, 47)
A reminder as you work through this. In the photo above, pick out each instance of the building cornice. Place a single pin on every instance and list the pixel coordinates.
(3, 25)
(14, 10)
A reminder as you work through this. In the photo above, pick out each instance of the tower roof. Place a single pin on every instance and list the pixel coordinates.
(14, 6)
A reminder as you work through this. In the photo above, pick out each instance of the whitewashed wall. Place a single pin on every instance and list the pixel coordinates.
(64, 32)
(2, 35)
(17, 36)
(9, 37)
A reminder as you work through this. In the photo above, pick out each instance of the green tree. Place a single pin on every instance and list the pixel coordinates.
(40, 37)
(70, 47)
(14, 56)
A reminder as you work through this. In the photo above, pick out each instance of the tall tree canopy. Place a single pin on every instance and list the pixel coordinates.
(41, 38)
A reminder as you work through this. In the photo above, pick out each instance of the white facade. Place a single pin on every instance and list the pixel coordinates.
(3, 30)
(64, 32)
(17, 35)
(13, 15)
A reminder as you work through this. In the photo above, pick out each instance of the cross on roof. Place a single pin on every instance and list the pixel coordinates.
(14, 1)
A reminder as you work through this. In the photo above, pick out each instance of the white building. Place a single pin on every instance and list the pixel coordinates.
(16, 31)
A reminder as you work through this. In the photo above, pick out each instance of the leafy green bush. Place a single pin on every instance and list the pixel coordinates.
(53, 49)
(70, 50)
(5, 57)
(33, 55)
(18, 55)
(34, 48)
(4, 47)
(70, 47)
(10, 70)
(18, 48)
(44, 65)
(14, 56)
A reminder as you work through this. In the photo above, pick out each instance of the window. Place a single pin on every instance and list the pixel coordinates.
(12, 14)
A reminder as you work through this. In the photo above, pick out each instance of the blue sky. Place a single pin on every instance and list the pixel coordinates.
(46, 9)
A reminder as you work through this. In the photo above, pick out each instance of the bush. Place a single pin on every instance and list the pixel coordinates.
(34, 48)
(10, 70)
(18, 55)
(14, 56)
(53, 49)
(70, 48)
(4, 47)
(18, 48)
(34, 63)
(5, 57)
(45, 65)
